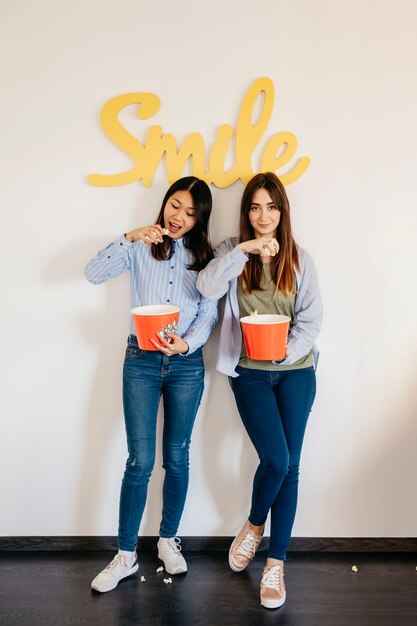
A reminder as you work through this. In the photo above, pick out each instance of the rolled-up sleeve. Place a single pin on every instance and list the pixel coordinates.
(111, 261)
(213, 280)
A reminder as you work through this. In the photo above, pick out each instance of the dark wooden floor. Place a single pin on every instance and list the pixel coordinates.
(53, 588)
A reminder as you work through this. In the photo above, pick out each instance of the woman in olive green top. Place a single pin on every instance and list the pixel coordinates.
(264, 270)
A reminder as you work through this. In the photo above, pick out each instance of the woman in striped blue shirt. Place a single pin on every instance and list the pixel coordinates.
(164, 260)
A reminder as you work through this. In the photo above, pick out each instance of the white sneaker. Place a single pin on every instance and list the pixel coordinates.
(169, 551)
(115, 571)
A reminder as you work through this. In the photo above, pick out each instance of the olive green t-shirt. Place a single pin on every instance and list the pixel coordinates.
(264, 302)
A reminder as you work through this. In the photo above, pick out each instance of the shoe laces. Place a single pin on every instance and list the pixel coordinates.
(174, 543)
(271, 579)
(248, 545)
(118, 560)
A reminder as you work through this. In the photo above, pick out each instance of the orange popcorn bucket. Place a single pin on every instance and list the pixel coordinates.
(265, 336)
(152, 319)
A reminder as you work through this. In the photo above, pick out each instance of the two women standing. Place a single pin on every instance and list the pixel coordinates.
(262, 270)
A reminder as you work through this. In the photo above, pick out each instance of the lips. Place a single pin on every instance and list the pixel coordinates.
(173, 228)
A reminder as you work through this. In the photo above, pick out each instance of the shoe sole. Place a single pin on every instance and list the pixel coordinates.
(233, 566)
(180, 571)
(177, 571)
(273, 604)
(133, 570)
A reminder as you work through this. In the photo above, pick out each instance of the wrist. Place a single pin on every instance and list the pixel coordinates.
(186, 350)
(240, 250)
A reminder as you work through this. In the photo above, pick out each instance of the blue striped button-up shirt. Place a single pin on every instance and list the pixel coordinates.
(158, 282)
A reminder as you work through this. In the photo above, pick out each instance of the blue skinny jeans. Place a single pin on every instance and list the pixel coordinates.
(274, 407)
(179, 380)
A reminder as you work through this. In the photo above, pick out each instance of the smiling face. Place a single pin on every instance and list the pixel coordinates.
(264, 214)
(179, 214)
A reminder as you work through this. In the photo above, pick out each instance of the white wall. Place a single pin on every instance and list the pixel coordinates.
(344, 74)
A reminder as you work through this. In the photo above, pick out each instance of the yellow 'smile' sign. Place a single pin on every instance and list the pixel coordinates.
(146, 157)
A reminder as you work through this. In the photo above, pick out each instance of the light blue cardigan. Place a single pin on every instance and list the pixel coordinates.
(219, 278)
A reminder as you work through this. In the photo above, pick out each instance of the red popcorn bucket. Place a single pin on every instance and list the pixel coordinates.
(151, 320)
(265, 336)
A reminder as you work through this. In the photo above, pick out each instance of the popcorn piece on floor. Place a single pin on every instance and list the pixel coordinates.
(142, 579)
(167, 581)
(354, 569)
(160, 569)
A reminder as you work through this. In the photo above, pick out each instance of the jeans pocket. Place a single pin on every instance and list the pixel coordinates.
(133, 352)
(195, 357)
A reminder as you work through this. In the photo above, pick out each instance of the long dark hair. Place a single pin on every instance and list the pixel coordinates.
(197, 239)
(282, 265)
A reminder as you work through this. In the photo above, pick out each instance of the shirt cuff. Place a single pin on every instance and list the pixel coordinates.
(123, 242)
(238, 255)
(191, 346)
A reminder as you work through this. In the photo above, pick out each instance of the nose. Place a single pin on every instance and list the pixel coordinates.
(264, 214)
(178, 216)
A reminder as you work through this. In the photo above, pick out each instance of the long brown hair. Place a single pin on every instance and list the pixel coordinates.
(282, 265)
(197, 239)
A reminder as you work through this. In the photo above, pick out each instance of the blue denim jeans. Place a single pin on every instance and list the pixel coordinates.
(274, 407)
(179, 380)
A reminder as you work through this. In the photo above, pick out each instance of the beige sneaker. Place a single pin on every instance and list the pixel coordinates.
(243, 548)
(273, 592)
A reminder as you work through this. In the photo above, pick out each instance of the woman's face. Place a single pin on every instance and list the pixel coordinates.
(179, 214)
(264, 214)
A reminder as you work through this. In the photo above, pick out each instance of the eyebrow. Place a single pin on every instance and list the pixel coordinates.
(267, 204)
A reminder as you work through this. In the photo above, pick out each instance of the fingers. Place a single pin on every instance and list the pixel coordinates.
(174, 345)
(172, 336)
(265, 246)
(266, 251)
(166, 342)
(156, 230)
(152, 234)
(159, 346)
(269, 247)
(163, 345)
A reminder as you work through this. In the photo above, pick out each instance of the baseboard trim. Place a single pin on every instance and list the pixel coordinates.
(212, 544)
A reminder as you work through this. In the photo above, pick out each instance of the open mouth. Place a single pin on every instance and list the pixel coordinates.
(173, 228)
